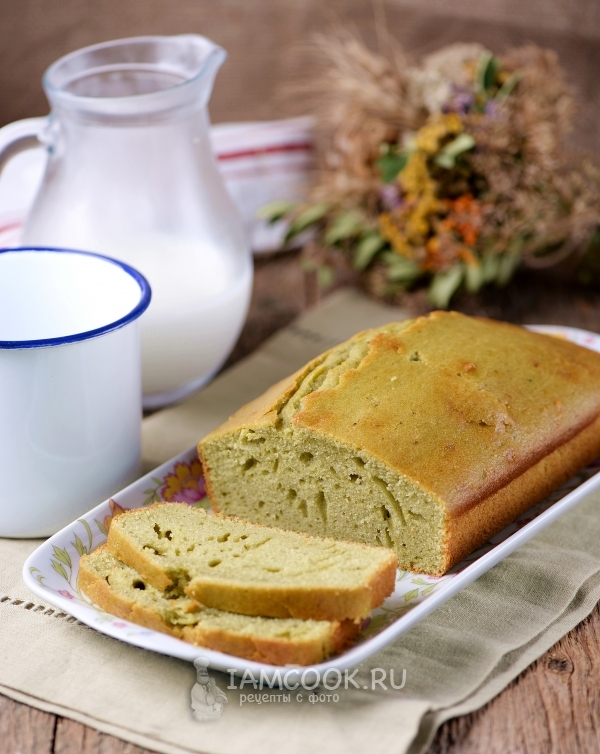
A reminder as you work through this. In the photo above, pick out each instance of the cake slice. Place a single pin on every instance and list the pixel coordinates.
(120, 590)
(425, 437)
(237, 566)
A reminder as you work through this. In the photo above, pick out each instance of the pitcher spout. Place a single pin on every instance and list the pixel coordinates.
(208, 57)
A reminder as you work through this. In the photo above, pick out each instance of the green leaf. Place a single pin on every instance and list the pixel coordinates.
(101, 526)
(308, 265)
(376, 623)
(491, 73)
(62, 555)
(507, 266)
(305, 219)
(508, 86)
(420, 581)
(89, 531)
(474, 278)
(391, 164)
(446, 158)
(486, 71)
(403, 270)
(38, 576)
(389, 257)
(79, 546)
(156, 480)
(204, 503)
(444, 285)
(428, 589)
(489, 267)
(275, 211)
(324, 276)
(344, 226)
(411, 595)
(366, 249)
(60, 569)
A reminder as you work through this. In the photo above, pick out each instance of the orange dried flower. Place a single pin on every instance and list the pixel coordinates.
(464, 218)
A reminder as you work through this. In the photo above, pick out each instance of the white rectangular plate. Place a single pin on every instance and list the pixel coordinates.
(51, 572)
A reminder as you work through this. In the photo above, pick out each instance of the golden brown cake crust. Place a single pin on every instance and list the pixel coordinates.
(318, 604)
(477, 524)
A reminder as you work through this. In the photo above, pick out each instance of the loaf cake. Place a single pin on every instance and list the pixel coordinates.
(240, 567)
(426, 437)
(121, 591)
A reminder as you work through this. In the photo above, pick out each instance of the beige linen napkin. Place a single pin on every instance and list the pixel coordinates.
(455, 660)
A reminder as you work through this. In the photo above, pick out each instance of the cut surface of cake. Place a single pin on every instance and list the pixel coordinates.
(245, 568)
(425, 437)
(120, 590)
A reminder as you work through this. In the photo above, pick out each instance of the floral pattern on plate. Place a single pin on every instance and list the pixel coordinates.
(184, 484)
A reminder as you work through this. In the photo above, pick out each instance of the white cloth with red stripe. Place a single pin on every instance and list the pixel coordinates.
(263, 162)
(260, 162)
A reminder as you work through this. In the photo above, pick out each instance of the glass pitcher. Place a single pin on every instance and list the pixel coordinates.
(131, 173)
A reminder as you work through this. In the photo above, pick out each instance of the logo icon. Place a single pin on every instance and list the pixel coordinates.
(207, 697)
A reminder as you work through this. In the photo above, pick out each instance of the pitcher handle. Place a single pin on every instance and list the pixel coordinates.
(19, 136)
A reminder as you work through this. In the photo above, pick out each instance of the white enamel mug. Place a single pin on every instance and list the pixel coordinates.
(70, 384)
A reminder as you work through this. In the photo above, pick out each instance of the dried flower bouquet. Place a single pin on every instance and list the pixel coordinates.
(453, 172)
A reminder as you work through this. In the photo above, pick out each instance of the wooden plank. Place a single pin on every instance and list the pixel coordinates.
(24, 729)
(551, 708)
(74, 738)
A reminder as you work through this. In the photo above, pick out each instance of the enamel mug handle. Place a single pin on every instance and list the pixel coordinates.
(21, 135)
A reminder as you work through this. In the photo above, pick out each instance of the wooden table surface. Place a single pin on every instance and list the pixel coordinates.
(554, 705)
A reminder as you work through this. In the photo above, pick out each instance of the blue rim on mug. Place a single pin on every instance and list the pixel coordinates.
(138, 309)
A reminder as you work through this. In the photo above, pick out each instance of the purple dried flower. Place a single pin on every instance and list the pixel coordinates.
(390, 196)
(491, 108)
(460, 103)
